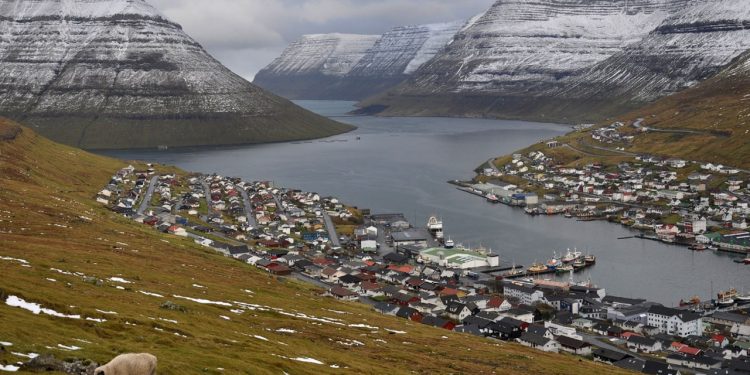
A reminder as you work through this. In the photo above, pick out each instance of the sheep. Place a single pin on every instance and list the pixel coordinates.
(129, 364)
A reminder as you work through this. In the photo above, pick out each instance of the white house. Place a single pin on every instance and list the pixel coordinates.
(524, 294)
(675, 322)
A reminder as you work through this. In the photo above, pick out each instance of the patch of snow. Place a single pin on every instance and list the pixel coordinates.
(71, 347)
(198, 286)
(36, 308)
(119, 280)
(203, 301)
(5, 343)
(395, 331)
(51, 279)
(360, 325)
(9, 259)
(225, 317)
(9, 368)
(151, 294)
(286, 330)
(259, 337)
(307, 360)
(27, 355)
(106, 312)
(96, 320)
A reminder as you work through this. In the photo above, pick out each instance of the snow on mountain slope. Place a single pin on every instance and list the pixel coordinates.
(328, 54)
(117, 74)
(304, 68)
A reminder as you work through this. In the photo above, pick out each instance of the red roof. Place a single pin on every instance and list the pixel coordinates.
(718, 338)
(689, 350)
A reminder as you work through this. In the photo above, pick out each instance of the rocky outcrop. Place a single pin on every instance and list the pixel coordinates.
(118, 74)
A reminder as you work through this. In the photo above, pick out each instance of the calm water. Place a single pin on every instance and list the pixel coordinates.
(402, 165)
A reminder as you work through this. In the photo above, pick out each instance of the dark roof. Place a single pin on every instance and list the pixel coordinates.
(476, 321)
(658, 368)
(385, 307)
(570, 342)
(395, 258)
(470, 329)
(434, 321)
(537, 330)
(406, 312)
(610, 355)
(454, 307)
(633, 364)
(622, 300)
(640, 340)
(685, 316)
(534, 339)
(350, 279)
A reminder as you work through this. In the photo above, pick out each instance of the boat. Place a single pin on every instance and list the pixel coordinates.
(571, 256)
(554, 262)
(712, 247)
(492, 198)
(568, 215)
(746, 260)
(434, 225)
(513, 272)
(741, 300)
(565, 268)
(697, 247)
(589, 259)
(693, 301)
(537, 267)
(449, 244)
(726, 298)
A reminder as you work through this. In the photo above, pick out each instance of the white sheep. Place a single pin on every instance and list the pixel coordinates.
(129, 364)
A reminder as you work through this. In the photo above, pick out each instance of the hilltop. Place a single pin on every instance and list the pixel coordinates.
(110, 285)
(116, 74)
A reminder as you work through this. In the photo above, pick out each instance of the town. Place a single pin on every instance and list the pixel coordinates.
(418, 273)
(698, 205)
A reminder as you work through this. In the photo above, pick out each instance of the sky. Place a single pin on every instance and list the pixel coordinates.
(246, 35)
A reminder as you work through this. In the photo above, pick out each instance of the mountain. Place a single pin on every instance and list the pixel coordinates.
(133, 288)
(315, 66)
(688, 47)
(708, 122)
(117, 74)
(303, 71)
(519, 48)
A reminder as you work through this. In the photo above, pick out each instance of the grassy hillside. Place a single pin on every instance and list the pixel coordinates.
(73, 247)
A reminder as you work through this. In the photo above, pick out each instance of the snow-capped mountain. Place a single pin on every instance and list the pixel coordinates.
(688, 47)
(544, 59)
(118, 74)
(371, 63)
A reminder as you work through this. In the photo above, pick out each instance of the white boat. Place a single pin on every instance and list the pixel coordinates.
(449, 243)
(571, 256)
(742, 299)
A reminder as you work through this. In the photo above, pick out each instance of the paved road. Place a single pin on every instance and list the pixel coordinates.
(147, 198)
(491, 163)
(248, 207)
(603, 342)
(308, 279)
(207, 193)
(331, 229)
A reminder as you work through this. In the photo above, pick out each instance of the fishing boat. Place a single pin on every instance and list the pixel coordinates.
(568, 215)
(746, 260)
(537, 268)
(579, 264)
(589, 259)
(565, 268)
(554, 262)
(513, 271)
(726, 298)
(697, 247)
(741, 300)
(571, 256)
(693, 301)
(492, 198)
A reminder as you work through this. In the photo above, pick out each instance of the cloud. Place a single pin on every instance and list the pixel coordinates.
(248, 34)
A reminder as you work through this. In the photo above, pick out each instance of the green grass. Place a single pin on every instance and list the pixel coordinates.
(44, 183)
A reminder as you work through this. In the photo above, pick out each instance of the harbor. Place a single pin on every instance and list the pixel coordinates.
(417, 157)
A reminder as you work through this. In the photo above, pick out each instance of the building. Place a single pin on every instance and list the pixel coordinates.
(409, 237)
(675, 322)
(524, 294)
(457, 258)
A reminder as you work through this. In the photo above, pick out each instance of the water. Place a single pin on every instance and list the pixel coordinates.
(402, 165)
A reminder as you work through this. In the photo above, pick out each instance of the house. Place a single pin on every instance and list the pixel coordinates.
(438, 322)
(409, 313)
(457, 311)
(538, 342)
(341, 293)
(646, 367)
(675, 322)
(608, 356)
(699, 362)
(643, 344)
(574, 346)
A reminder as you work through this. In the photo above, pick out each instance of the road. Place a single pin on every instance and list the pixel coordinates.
(207, 193)
(331, 229)
(308, 279)
(603, 342)
(147, 198)
(248, 207)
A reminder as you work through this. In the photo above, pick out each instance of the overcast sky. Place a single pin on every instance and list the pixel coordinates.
(247, 34)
